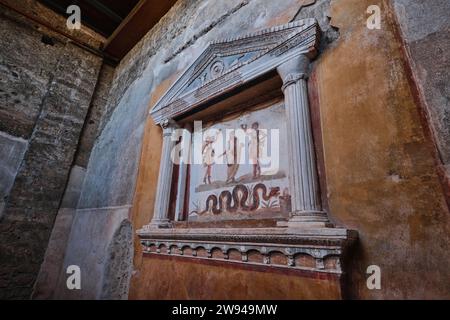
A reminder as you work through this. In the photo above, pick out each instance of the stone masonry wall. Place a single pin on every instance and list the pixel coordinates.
(51, 268)
(46, 85)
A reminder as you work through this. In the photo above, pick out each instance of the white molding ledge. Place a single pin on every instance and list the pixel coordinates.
(317, 244)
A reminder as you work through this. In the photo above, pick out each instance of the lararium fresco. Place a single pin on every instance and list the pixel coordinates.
(243, 173)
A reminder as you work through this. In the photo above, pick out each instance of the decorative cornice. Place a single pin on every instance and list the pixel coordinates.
(228, 63)
(277, 247)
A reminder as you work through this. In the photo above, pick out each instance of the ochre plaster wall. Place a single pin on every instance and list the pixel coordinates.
(380, 175)
(380, 170)
(172, 278)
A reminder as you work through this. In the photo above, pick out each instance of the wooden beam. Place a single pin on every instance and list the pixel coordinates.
(105, 10)
(139, 21)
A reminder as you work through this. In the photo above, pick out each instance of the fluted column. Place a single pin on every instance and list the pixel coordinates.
(303, 179)
(161, 209)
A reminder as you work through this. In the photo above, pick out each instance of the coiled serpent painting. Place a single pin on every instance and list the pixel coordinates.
(244, 167)
(242, 198)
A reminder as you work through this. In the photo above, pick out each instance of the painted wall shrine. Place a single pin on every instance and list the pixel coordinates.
(242, 111)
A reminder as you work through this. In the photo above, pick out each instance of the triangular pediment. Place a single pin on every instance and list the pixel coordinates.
(226, 62)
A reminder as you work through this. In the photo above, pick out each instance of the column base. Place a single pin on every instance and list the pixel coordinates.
(307, 219)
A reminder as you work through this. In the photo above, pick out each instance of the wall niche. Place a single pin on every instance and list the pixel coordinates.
(238, 178)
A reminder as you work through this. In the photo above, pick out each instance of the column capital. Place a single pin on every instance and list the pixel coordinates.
(294, 70)
(292, 78)
(168, 125)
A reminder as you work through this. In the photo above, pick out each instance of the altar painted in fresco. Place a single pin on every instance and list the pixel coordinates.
(249, 193)
(244, 167)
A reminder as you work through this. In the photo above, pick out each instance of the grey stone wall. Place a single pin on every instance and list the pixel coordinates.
(46, 85)
(425, 26)
(97, 116)
(52, 267)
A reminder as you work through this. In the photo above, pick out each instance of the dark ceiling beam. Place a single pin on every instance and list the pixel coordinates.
(141, 19)
(55, 6)
(105, 10)
(107, 59)
(94, 13)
